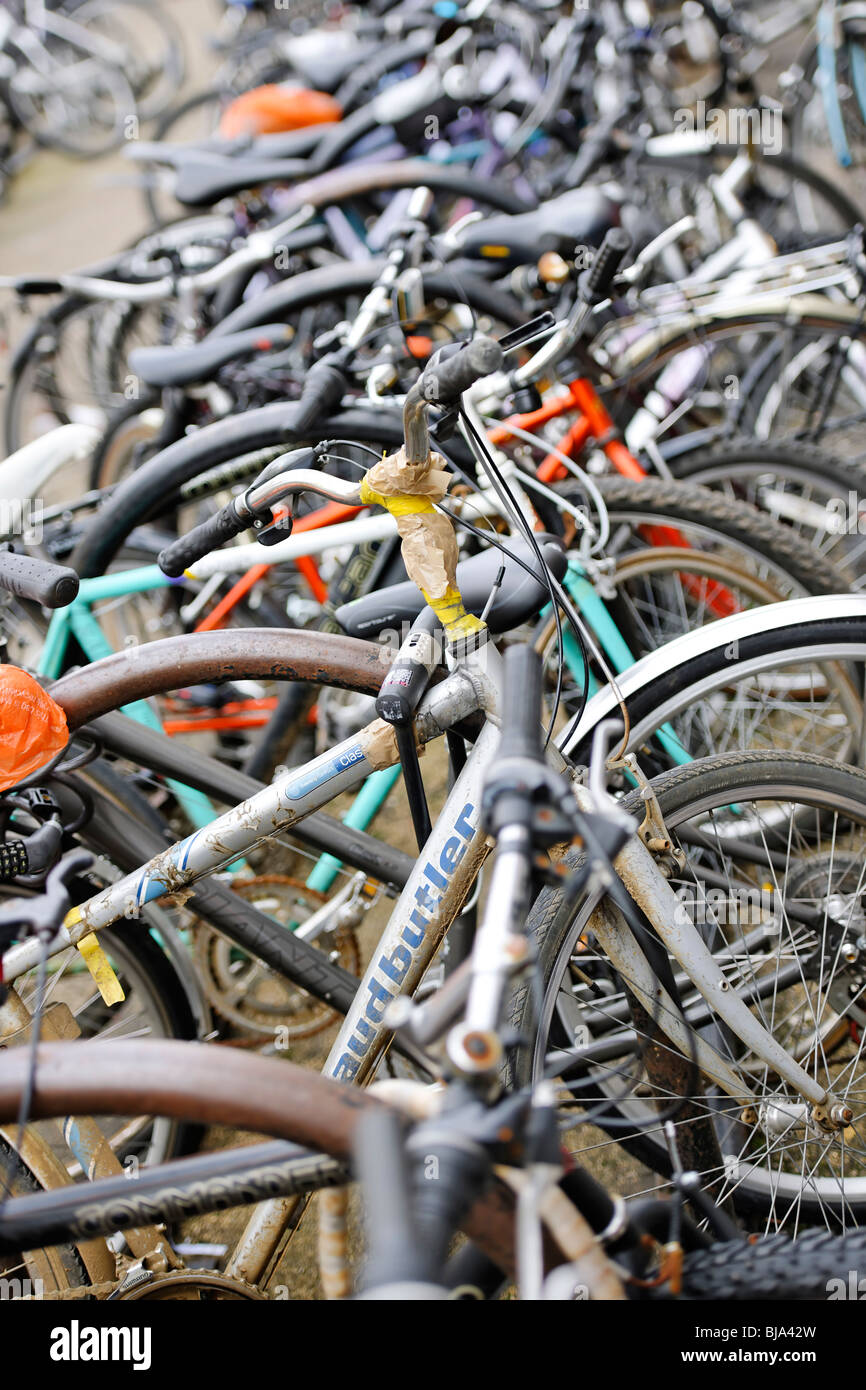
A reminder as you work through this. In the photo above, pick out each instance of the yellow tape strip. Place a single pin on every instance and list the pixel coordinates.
(453, 616)
(400, 504)
(449, 609)
(101, 969)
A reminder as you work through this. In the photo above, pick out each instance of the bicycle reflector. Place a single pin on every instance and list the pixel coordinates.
(32, 726)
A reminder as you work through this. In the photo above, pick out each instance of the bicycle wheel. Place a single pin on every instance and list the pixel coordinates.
(815, 1266)
(809, 387)
(794, 679)
(655, 595)
(791, 200)
(33, 1273)
(50, 382)
(76, 102)
(773, 877)
(643, 513)
(814, 493)
(148, 44)
(737, 372)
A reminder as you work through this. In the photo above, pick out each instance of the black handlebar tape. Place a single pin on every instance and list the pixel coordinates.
(323, 390)
(54, 586)
(223, 526)
(446, 378)
(29, 284)
(596, 282)
(521, 706)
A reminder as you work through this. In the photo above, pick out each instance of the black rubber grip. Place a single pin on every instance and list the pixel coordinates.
(521, 706)
(323, 390)
(439, 1206)
(223, 526)
(29, 284)
(447, 377)
(54, 586)
(596, 282)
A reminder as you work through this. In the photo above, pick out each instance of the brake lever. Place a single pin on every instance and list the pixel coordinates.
(44, 913)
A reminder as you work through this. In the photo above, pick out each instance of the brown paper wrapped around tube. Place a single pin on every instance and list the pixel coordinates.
(394, 477)
(408, 491)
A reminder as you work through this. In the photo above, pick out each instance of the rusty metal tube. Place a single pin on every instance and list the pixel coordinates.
(319, 658)
(220, 1085)
(192, 1081)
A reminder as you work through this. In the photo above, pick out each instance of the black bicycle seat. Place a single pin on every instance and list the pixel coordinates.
(183, 366)
(580, 217)
(521, 595)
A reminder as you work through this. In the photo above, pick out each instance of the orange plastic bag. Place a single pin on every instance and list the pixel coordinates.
(32, 727)
(266, 110)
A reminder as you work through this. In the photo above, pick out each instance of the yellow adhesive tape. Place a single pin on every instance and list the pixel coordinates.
(452, 614)
(449, 609)
(101, 969)
(401, 504)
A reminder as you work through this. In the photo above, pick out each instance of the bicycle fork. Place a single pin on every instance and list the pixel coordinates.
(652, 893)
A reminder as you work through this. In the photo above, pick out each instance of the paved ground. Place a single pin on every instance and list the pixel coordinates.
(61, 212)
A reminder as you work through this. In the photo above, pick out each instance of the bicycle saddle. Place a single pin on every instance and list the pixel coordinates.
(325, 69)
(581, 216)
(520, 595)
(205, 178)
(182, 366)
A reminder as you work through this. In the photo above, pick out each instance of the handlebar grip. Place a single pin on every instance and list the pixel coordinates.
(31, 284)
(596, 282)
(54, 586)
(521, 708)
(447, 377)
(322, 392)
(223, 526)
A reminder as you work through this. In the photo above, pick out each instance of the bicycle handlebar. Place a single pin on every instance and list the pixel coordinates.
(223, 526)
(443, 382)
(451, 372)
(54, 586)
(251, 510)
(322, 391)
(595, 283)
(43, 913)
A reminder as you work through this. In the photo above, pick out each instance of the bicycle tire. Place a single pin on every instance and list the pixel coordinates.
(800, 468)
(745, 526)
(816, 1266)
(802, 633)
